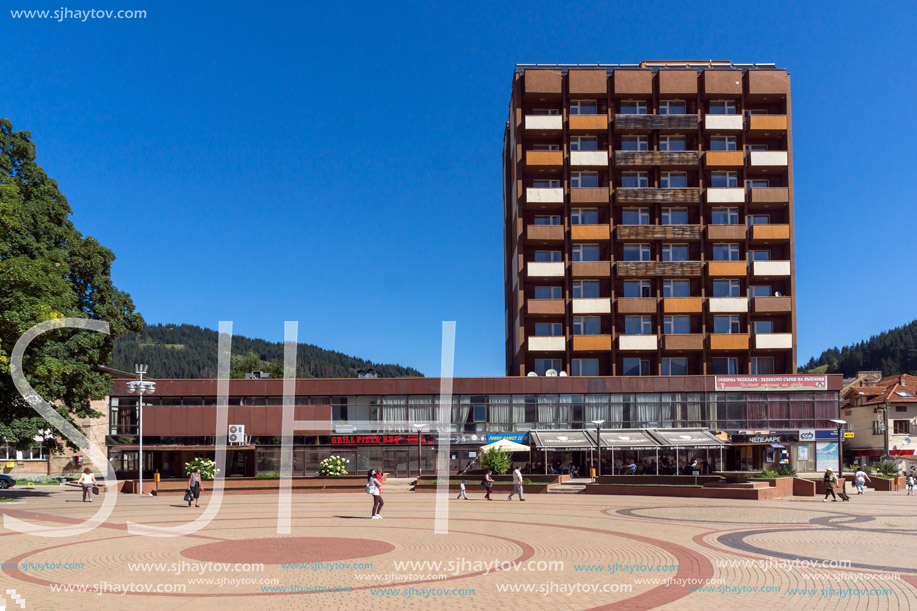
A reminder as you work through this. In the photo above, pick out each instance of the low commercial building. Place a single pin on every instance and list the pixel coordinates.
(882, 415)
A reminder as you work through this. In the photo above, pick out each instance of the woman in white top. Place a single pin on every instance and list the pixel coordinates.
(860, 479)
(87, 481)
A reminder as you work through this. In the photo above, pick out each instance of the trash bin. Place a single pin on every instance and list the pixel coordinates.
(592, 472)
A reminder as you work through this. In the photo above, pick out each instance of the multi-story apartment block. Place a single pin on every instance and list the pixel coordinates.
(648, 220)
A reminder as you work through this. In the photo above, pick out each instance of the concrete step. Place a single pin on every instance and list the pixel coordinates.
(567, 488)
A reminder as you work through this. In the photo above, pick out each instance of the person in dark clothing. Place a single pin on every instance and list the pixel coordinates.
(194, 485)
(830, 480)
(488, 482)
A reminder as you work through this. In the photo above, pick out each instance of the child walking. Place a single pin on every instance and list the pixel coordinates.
(910, 484)
(462, 491)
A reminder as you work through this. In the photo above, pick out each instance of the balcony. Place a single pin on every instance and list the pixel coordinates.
(633, 82)
(544, 122)
(654, 158)
(769, 195)
(770, 233)
(722, 82)
(722, 123)
(600, 305)
(636, 305)
(547, 344)
(684, 342)
(588, 158)
(644, 195)
(719, 269)
(682, 305)
(545, 233)
(724, 159)
(658, 232)
(677, 82)
(726, 232)
(545, 269)
(770, 269)
(589, 195)
(728, 341)
(588, 82)
(589, 123)
(773, 341)
(659, 268)
(767, 83)
(771, 305)
(591, 269)
(591, 343)
(649, 122)
(637, 342)
(541, 195)
(544, 158)
(543, 81)
(590, 232)
(545, 306)
(765, 124)
(767, 159)
(718, 195)
(728, 305)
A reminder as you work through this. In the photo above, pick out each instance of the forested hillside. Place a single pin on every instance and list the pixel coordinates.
(892, 352)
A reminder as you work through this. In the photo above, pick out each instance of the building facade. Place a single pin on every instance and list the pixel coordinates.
(882, 415)
(648, 220)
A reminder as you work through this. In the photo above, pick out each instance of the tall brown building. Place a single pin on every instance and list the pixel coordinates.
(648, 219)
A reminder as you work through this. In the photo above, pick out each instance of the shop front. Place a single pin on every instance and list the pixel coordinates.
(563, 452)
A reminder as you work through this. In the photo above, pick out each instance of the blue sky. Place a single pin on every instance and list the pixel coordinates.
(341, 166)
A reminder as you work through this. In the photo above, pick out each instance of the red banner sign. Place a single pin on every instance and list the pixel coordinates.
(788, 382)
(366, 440)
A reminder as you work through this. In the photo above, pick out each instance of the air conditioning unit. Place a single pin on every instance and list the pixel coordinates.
(237, 433)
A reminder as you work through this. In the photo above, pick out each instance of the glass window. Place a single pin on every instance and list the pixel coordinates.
(585, 289)
(726, 324)
(759, 290)
(676, 288)
(726, 288)
(636, 252)
(722, 107)
(545, 111)
(545, 147)
(721, 180)
(545, 219)
(673, 180)
(676, 325)
(724, 216)
(755, 147)
(545, 183)
(585, 367)
(759, 255)
(725, 252)
(584, 180)
(587, 325)
(548, 292)
(674, 216)
(901, 427)
(584, 216)
(585, 252)
(634, 179)
(758, 219)
(480, 413)
(633, 107)
(634, 143)
(675, 252)
(549, 329)
(762, 365)
(583, 107)
(758, 183)
(674, 366)
(547, 256)
(725, 366)
(763, 326)
(672, 107)
(635, 216)
(636, 367)
(542, 365)
(671, 143)
(584, 143)
(638, 325)
(722, 143)
(636, 288)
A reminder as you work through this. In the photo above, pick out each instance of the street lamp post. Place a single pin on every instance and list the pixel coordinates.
(419, 427)
(141, 387)
(840, 448)
(598, 444)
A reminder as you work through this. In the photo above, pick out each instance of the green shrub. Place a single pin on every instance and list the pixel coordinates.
(268, 475)
(38, 480)
(767, 475)
(333, 466)
(497, 460)
(786, 470)
(887, 468)
(206, 465)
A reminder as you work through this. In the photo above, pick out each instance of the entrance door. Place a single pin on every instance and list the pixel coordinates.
(397, 463)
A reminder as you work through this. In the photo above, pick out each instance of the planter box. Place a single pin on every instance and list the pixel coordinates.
(670, 480)
(256, 485)
(477, 488)
(884, 485)
(753, 494)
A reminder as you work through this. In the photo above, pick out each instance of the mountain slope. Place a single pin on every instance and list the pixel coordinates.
(892, 352)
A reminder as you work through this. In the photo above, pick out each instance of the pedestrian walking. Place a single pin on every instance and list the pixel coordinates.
(830, 480)
(87, 481)
(375, 478)
(462, 494)
(194, 486)
(488, 483)
(910, 484)
(860, 479)
(517, 485)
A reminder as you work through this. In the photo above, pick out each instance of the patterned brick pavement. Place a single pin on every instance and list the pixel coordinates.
(739, 551)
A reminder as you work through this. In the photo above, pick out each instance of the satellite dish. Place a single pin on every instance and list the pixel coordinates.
(778, 294)
(551, 372)
(563, 374)
(532, 373)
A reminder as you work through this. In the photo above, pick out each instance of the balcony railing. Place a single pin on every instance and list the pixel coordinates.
(643, 195)
(658, 232)
(659, 268)
(647, 122)
(653, 158)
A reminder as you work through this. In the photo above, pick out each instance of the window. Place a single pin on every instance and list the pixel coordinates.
(907, 395)
(636, 252)
(542, 365)
(755, 147)
(548, 292)
(722, 107)
(545, 111)
(763, 326)
(548, 329)
(726, 324)
(676, 288)
(543, 183)
(635, 216)
(758, 219)
(674, 366)
(762, 365)
(587, 325)
(759, 255)
(634, 143)
(760, 290)
(726, 288)
(675, 252)
(636, 288)
(634, 179)
(584, 216)
(545, 147)
(722, 143)
(676, 325)
(671, 143)
(636, 367)
(721, 180)
(585, 289)
(725, 252)
(633, 107)
(545, 256)
(638, 325)
(585, 252)
(674, 216)
(35, 453)
(584, 143)
(480, 412)
(877, 428)
(672, 107)
(673, 180)
(725, 366)
(724, 216)
(901, 427)
(757, 111)
(758, 183)
(585, 367)
(7, 453)
(544, 219)
(584, 179)
(583, 107)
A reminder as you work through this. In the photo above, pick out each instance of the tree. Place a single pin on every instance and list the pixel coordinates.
(48, 270)
(497, 460)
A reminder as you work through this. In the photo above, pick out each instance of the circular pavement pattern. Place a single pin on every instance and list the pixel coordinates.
(287, 550)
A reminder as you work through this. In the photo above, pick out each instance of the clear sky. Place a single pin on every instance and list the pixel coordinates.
(340, 165)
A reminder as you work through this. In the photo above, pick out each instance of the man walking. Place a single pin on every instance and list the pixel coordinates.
(517, 485)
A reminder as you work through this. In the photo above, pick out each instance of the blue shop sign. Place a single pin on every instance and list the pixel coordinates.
(517, 437)
(819, 435)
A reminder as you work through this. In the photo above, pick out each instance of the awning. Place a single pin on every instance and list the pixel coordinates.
(507, 445)
(623, 439)
(777, 445)
(148, 448)
(867, 452)
(901, 452)
(686, 438)
(561, 440)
